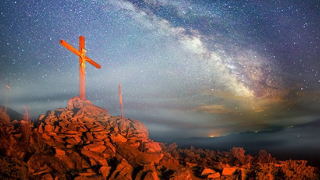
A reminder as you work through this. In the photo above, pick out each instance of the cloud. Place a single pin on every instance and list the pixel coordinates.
(214, 108)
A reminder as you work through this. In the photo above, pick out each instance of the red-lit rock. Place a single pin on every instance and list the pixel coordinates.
(214, 175)
(105, 171)
(207, 171)
(181, 174)
(229, 171)
(60, 152)
(100, 160)
(115, 137)
(152, 147)
(123, 171)
(95, 148)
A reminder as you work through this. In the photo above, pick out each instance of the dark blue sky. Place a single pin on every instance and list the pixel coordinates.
(187, 68)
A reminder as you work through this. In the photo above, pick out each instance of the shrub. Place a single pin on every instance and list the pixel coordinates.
(297, 169)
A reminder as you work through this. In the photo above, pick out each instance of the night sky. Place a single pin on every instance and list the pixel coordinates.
(186, 67)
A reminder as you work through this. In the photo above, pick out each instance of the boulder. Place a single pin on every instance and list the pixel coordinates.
(95, 148)
(207, 171)
(229, 171)
(214, 175)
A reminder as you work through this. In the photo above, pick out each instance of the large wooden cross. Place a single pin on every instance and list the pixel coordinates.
(82, 59)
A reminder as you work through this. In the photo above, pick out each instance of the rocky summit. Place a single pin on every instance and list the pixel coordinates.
(82, 141)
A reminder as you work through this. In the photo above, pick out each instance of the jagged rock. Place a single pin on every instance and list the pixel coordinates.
(191, 165)
(97, 129)
(100, 160)
(169, 163)
(100, 136)
(123, 171)
(40, 128)
(46, 137)
(67, 160)
(41, 117)
(115, 137)
(72, 141)
(229, 171)
(59, 152)
(57, 129)
(148, 172)
(105, 171)
(89, 136)
(181, 174)
(48, 128)
(111, 146)
(214, 175)
(123, 125)
(207, 171)
(95, 148)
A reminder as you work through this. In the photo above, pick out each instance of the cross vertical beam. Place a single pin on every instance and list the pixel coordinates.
(82, 68)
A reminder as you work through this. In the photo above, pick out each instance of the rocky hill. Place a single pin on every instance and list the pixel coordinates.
(82, 141)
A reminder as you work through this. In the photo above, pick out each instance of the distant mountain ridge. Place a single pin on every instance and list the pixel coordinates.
(297, 142)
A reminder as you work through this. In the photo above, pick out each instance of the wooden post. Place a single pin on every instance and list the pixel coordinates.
(7, 93)
(120, 98)
(82, 59)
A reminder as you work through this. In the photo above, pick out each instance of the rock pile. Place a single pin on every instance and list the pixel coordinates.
(86, 138)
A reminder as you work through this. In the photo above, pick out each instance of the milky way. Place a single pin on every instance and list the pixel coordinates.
(187, 68)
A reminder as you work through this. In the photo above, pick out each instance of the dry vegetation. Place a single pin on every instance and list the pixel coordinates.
(263, 166)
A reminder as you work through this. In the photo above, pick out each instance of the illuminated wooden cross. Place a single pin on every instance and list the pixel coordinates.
(82, 59)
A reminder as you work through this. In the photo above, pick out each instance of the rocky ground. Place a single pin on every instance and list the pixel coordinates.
(82, 141)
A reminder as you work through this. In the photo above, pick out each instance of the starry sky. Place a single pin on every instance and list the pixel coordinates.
(186, 67)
